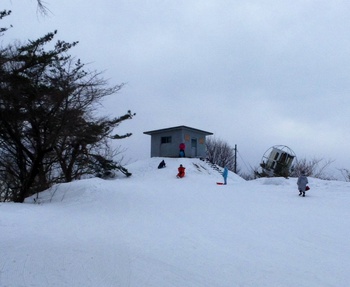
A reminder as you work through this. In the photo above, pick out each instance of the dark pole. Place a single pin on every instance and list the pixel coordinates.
(235, 159)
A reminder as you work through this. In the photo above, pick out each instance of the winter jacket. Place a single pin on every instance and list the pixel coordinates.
(162, 164)
(302, 182)
(181, 170)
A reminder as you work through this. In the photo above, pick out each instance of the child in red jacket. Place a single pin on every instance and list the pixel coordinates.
(181, 170)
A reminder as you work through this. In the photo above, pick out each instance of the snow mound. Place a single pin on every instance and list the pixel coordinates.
(153, 229)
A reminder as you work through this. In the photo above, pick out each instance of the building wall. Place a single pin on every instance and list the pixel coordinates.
(166, 149)
(194, 141)
(195, 144)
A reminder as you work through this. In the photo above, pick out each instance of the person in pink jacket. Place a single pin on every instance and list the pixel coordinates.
(182, 150)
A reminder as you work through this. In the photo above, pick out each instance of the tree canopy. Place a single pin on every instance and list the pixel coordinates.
(48, 131)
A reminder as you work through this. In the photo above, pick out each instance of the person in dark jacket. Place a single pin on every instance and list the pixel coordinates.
(302, 182)
(162, 164)
(181, 171)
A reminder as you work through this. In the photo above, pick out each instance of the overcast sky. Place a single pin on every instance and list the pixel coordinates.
(255, 73)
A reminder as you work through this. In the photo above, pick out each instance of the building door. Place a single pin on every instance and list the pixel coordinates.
(193, 147)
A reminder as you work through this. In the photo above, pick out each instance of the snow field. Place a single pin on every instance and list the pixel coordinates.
(153, 229)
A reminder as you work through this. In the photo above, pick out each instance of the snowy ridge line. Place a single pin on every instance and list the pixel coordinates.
(194, 167)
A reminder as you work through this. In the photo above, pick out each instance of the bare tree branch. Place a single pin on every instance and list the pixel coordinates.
(42, 8)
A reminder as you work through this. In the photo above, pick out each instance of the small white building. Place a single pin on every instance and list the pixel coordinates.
(166, 142)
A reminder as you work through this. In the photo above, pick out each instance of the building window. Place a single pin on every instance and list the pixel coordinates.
(165, 140)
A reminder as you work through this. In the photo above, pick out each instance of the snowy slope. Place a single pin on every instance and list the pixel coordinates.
(153, 229)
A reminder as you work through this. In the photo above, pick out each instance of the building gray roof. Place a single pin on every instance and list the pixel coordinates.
(177, 128)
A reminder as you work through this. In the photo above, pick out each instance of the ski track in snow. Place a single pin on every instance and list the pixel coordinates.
(156, 230)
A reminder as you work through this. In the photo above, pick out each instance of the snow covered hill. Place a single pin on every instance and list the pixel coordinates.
(153, 229)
